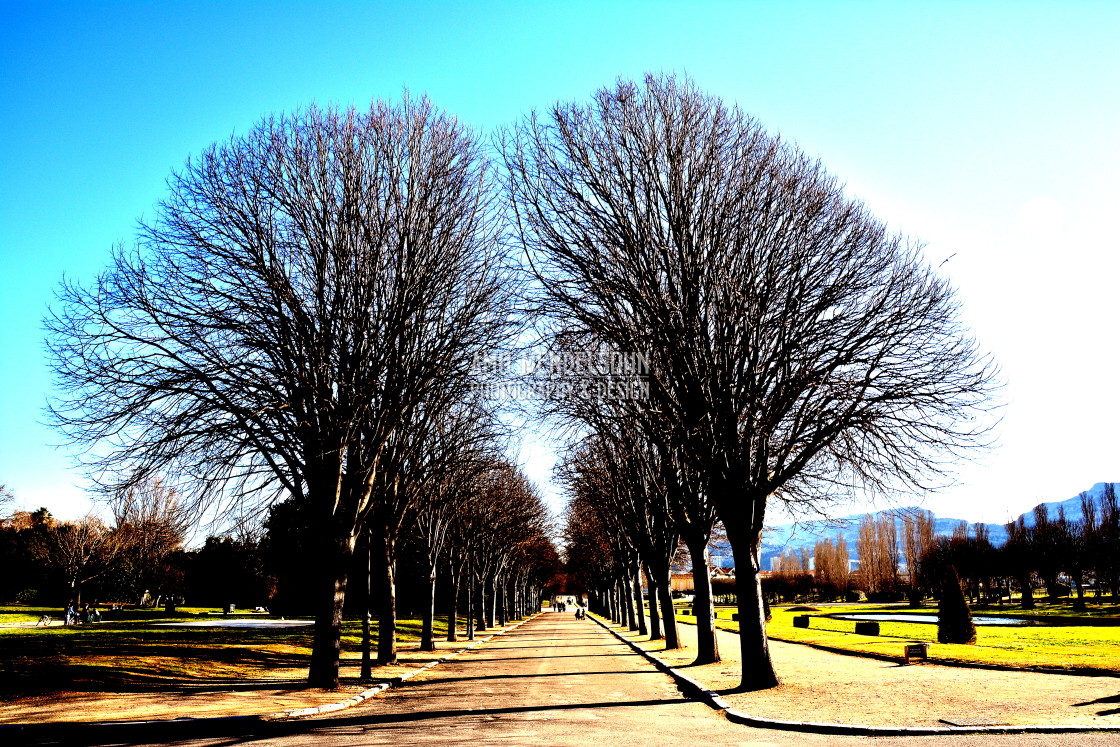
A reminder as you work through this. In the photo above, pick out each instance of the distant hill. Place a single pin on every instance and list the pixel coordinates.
(778, 539)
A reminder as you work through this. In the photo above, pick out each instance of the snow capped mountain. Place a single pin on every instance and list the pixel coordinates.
(796, 536)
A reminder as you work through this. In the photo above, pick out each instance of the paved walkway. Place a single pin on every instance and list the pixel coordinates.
(554, 680)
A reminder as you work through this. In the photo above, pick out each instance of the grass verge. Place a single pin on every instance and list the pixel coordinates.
(1088, 648)
(144, 656)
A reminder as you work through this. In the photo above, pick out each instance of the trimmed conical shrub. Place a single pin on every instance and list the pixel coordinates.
(954, 619)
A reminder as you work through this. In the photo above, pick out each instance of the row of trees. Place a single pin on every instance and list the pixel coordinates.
(492, 549)
(1061, 555)
(146, 526)
(300, 321)
(1046, 552)
(797, 350)
(301, 316)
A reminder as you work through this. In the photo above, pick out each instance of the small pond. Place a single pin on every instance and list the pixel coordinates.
(978, 619)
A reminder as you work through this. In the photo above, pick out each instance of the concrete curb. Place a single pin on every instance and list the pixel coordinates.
(379, 688)
(699, 692)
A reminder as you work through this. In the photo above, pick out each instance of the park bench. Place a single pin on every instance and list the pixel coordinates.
(862, 627)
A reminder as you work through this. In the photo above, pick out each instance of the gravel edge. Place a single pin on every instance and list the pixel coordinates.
(697, 691)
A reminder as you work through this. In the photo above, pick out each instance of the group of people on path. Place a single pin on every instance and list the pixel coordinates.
(562, 606)
(84, 615)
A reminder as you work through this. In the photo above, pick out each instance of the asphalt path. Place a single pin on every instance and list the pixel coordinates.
(555, 681)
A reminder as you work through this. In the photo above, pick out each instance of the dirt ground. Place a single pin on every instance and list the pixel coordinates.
(825, 687)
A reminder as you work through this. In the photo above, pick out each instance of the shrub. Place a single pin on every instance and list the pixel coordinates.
(954, 619)
(27, 596)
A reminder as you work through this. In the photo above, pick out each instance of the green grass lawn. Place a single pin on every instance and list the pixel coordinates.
(1087, 647)
(139, 655)
(19, 613)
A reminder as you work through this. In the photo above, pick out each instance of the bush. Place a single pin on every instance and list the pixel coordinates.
(954, 619)
(851, 596)
(723, 587)
(27, 596)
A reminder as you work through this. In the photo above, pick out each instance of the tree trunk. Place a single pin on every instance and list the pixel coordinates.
(655, 633)
(427, 626)
(1026, 592)
(453, 613)
(493, 588)
(470, 603)
(707, 645)
(1079, 603)
(668, 614)
(636, 580)
(758, 670)
(387, 619)
(367, 618)
(480, 605)
(500, 591)
(625, 589)
(326, 644)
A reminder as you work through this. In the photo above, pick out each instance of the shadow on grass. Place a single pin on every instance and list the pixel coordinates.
(123, 657)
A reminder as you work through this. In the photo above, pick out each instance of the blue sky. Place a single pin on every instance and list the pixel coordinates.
(988, 130)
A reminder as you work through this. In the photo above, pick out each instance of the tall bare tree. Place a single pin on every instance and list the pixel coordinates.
(83, 550)
(831, 566)
(798, 349)
(461, 451)
(303, 290)
(617, 474)
(877, 547)
(1106, 551)
(1018, 559)
(151, 523)
(917, 538)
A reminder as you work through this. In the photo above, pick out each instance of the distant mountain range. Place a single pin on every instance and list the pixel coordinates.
(796, 536)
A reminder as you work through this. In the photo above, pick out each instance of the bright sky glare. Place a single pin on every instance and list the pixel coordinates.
(988, 130)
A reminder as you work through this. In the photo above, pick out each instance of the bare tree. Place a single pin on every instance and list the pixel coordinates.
(831, 566)
(461, 450)
(83, 550)
(798, 349)
(1106, 552)
(303, 291)
(877, 547)
(7, 498)
(618, 475)
(917, 538)
(1018, 560)
(151, 524)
